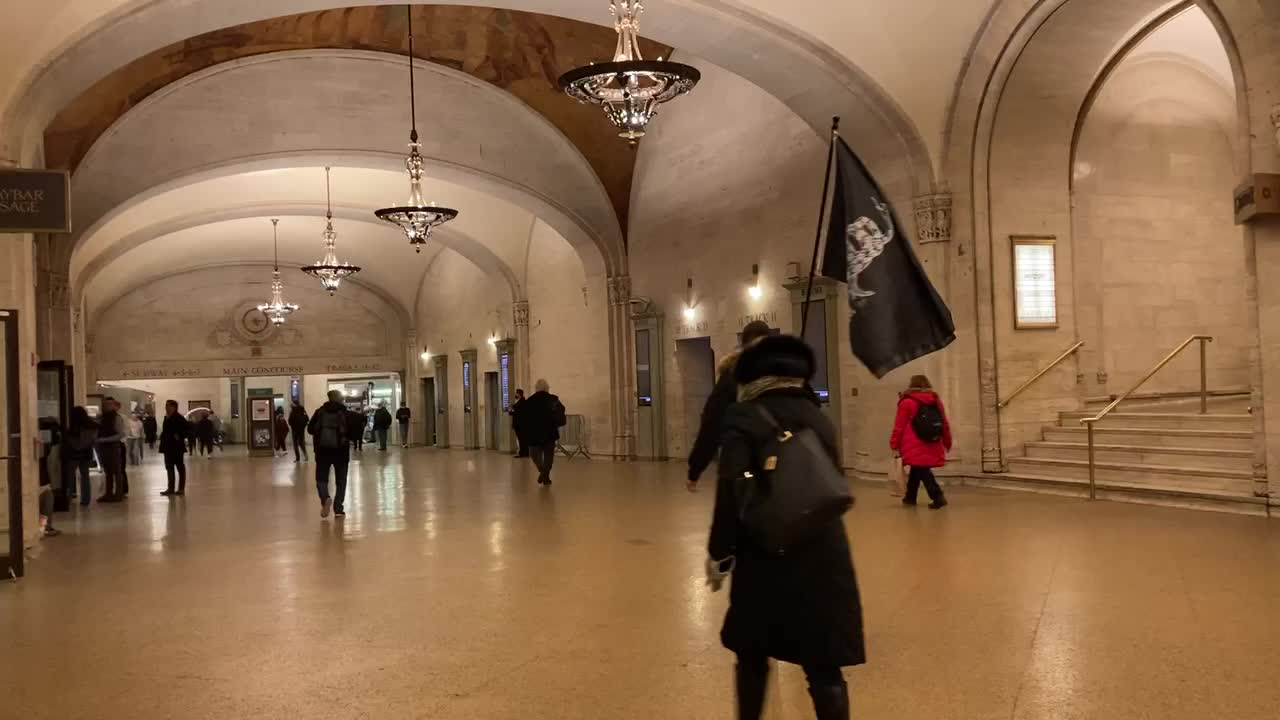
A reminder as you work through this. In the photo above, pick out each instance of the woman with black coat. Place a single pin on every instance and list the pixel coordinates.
(803, 606)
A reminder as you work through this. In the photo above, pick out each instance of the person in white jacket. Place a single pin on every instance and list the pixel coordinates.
(133, 439)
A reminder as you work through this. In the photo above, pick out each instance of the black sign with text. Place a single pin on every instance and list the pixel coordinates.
(34, 201)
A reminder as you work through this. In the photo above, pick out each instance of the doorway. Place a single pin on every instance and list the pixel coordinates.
(429, 410)
(492, 406)
(696, 363)
(10, 448)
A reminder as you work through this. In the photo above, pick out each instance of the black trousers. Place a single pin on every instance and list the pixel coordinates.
(544, 456)
(299, 446)
(111, 460)
(826, 685)
(920, 475)
(339, 463)
(524, 447)
(174, 461)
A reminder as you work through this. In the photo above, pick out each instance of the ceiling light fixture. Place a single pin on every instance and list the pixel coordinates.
(277, 311)
(416, 218)
(329, 271)
(630, 88)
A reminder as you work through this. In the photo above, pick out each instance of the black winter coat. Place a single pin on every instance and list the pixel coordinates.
(537, 418)
(802, 607)
(298, 420)
(381, 419)
(174, 434)
(710, 428)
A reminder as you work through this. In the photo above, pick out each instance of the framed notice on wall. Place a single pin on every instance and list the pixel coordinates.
(1035, 282)
(261, 409)
(35, 201)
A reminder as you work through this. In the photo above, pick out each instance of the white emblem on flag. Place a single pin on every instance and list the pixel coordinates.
(864, 242)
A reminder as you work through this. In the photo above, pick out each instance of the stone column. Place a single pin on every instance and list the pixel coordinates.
(522, 370)
(622, 363)
(413, 387)
(442, 399)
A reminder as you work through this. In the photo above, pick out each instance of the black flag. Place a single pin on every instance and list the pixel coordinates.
(896, 314)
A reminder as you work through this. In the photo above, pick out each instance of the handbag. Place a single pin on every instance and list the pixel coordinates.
(897, 478)
(795, 493)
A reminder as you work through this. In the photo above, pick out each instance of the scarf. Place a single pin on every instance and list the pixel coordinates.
(756, 388)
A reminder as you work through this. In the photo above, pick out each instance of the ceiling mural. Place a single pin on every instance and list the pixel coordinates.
(522, 53)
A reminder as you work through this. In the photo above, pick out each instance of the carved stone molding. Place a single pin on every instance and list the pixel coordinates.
(1275, 122)
(441, 361)
(520, 312)
(59, 291)
(89, 341)
(933, 217)
(620, 290)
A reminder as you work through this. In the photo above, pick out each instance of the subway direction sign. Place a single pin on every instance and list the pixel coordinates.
(35, 201)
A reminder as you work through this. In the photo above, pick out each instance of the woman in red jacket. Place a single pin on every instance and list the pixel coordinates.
(921, 437)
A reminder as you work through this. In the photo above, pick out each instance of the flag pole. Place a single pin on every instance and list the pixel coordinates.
(822, 216)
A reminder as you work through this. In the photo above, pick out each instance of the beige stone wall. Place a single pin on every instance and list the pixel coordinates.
(1158, 257)
(194, 317)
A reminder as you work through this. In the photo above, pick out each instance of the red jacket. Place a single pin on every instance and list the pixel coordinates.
(914, 451)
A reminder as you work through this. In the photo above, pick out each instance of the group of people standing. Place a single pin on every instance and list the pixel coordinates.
(801, 606)
(295, 427)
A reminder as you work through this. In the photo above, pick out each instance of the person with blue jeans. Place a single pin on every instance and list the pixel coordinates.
(329, 429)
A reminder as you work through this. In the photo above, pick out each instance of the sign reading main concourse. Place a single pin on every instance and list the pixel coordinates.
(237, 368)
(35, 201)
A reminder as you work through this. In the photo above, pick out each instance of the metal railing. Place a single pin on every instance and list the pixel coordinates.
(1090, 422)
(1070, 351)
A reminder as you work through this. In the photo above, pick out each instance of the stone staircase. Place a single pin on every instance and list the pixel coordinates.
(1158, 451)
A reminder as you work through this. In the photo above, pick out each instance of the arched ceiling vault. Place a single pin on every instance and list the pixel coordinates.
(742, 36)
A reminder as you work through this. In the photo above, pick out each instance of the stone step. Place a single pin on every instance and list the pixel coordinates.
(1178, 421)
(1245, 504)
(1144, 454)
(1175, 437)
(1176, 477)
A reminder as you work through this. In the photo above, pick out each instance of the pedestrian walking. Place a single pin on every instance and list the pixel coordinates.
(801, 606)
(298, 427)
(541, 418)
(280, 430)
(382, 425)
(403, 415)
(722, 396)
(516, 411)
(328, 429)
(134, 434)
(921, 437)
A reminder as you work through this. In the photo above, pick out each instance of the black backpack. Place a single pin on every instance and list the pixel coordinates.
(558, 414)
(331, 430)
(927, 424)
(796, 491)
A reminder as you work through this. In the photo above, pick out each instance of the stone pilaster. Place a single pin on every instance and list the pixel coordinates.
(622, 368)
(413, 387)
(522, 372)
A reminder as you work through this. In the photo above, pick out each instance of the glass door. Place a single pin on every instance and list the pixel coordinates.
(10, 450)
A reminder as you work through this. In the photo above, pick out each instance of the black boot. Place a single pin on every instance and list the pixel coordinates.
(752, 683)
(830, 702)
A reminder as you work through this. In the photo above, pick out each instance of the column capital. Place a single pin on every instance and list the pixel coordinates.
(620, 290)
(933, 217)
(440, 361)
(520, 313)
(1275, 123)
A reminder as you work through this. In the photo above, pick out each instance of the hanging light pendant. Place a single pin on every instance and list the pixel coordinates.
(329, 271)
(277, 311)
(630, 88)
(416, 218)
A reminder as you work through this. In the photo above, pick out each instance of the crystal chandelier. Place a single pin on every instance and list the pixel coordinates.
(277, 311)
(329, 271)
(630, 88)
(416, 218)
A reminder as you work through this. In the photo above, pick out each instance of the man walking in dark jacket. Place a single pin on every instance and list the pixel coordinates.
(541, 418)
(725, 394)
(402, 417)
(516, 409)
(298, 420)
(329, 429)
(382, 425)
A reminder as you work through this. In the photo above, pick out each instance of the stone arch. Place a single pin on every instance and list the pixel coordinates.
(764, 51)
(1008, 43)
(494, 143)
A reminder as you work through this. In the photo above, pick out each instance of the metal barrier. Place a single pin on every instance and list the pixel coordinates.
(575, 437)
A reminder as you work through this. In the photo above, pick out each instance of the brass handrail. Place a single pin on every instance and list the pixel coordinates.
(1089, 422)
(1039, 375)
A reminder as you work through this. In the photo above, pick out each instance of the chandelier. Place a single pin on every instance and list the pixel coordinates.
(329, 271)
(277, 311)
(416, 218)
(630, 88)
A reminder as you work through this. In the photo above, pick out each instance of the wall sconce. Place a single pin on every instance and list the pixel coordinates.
(754, 290)
(426, 354)
(493, 340)
(689, 312)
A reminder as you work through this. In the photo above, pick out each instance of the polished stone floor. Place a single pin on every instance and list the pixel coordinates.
(457, 588)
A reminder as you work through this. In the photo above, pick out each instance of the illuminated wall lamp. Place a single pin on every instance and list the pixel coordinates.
(753, 290)
(689, 312)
